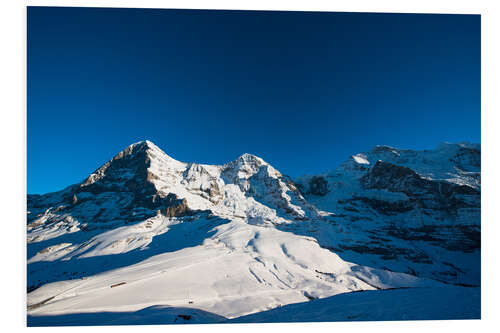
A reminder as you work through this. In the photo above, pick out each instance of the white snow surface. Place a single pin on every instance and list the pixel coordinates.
(377, 238)
(246, 249)
(446, 303)
(241, 269)
(360, 159)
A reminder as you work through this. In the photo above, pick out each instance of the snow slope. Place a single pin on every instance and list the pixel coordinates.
(410, 211)
(145, 231)
(240, 269)
(446, 303)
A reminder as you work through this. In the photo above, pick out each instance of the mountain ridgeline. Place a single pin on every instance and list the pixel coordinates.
(414, 211)
(386, 218)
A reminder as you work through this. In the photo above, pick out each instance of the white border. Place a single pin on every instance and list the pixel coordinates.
(13, 152)
(422, 6)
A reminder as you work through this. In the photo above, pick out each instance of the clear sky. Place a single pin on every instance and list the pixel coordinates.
(302, 90)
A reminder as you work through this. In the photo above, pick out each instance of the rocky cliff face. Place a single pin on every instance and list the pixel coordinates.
(414, 211)
(383, 211)
(142, 184)
(121, 192)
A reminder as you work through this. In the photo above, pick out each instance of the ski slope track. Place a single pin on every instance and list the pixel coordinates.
(149, 239)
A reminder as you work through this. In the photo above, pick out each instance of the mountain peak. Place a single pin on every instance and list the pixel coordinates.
(250, 158)
(131, 163)
(140, 146)
(146, 150)
(247, 162)
(146, 144)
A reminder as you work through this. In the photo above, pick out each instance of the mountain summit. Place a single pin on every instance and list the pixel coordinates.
(406, 210)
(145, 230)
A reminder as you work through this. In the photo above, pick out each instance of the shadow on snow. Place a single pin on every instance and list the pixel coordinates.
(179, 236)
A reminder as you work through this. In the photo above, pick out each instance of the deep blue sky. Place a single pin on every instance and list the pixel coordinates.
(302, 90)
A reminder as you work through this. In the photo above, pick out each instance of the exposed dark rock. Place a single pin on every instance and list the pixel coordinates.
(269, 190)
(129, 166)
(424, 193)
(185, 317)
(290, 183)
(467, 156)
(392, 177)
(451, 237)
(318, 186)
(383, 206)
(397, 178)
(175, 207)
(384, 251)
(300, 187)
(33, 200)
(123, 192)
(193, 173)
(215, 194)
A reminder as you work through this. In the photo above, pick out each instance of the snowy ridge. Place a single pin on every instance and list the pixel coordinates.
(411, 211)
(141, 230)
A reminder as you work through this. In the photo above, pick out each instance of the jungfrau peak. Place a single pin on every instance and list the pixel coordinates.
(234, 239)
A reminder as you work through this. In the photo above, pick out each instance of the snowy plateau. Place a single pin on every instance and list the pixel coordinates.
(390, 234)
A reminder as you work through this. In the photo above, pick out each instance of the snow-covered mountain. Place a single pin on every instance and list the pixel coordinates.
(146, 230)
(408, 211)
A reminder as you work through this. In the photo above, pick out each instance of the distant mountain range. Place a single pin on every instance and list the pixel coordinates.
(205, 243)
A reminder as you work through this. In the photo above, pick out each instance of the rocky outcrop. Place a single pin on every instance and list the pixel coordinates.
(423, 193)
(383, 206)
(414, 210)
(318, 186)
(315, 185)
(174, 207)
(199, 181)
(397, 178)
(397, 208)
